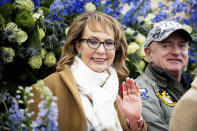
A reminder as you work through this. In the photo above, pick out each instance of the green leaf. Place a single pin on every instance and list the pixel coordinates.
(34, 40)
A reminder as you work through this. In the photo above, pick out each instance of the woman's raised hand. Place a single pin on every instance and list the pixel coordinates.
(130, 104)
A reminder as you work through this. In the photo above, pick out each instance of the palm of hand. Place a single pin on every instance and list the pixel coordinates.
(130, 105)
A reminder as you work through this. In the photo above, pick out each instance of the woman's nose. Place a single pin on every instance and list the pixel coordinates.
(101, 49)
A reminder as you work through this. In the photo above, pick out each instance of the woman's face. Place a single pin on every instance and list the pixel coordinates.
(98, 59)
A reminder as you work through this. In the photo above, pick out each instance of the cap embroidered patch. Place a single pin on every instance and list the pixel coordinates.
(143, 92)
(166, 98)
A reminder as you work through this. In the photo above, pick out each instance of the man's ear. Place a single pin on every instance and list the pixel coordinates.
(148, 52)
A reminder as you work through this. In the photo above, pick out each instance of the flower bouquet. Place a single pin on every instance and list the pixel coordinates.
(30, 43)
(15, 112)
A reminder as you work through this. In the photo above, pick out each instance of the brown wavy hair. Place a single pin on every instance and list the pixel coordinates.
(76, 31)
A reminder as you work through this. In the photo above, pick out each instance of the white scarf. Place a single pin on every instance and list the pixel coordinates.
(98, 93)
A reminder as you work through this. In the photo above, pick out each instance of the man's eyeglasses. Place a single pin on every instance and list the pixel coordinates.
(95, 43)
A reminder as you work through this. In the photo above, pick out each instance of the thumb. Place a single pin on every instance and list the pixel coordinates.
(119, 100)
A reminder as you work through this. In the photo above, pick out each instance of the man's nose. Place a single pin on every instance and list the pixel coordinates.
(176, 49)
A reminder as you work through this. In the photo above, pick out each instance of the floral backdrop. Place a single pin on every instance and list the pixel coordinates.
(32, 33)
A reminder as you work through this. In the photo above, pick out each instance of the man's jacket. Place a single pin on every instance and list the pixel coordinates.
(159, 94)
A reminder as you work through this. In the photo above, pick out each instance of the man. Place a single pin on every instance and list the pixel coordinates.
(184, 116)
(163, 82)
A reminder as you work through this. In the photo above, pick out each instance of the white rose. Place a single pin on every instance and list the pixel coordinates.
(140, 39)
(132, 48)
(28, 5)
(90, 7)
(129, 31)
(21, 36)
(38, 14)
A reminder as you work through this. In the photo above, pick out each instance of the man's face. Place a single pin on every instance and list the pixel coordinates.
(170, 54)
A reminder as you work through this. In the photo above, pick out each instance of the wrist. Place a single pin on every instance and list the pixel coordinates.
(140, 123)
(135, 125)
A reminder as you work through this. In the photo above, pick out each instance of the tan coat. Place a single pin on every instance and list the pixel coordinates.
(71, 115)
(184, 116)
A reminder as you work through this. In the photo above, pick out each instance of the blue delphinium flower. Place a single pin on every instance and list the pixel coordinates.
(139, 8)
(49, 123)
(38, 123)
(3, 2)
(113, 9)
(16, 115)
(65, 8)
(178, 7)
(161, 16)
(185, 21)
(54, 8)
(37, 3)
(144, 8)
(48, 112)
(195, 38)
(59, 8)
(131, 2)
(128, 19)
(108, 10)
(191, 57)
(192, 13)
(162, 6)
(108, 2)
(52, 117)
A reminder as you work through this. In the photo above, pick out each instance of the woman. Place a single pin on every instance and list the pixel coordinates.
(184, 116)
(88, 74)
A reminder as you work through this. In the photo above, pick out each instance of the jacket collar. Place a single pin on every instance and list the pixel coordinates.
(162, 77)
(71, 84)
(161, 81)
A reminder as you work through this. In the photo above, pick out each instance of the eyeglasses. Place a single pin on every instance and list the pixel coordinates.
(95, 43)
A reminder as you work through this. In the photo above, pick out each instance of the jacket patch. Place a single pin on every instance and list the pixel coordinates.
(143, 92)
(166, 98)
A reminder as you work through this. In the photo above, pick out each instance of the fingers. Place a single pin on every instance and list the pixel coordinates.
(131, 87)
(138, 89)
(124, 91)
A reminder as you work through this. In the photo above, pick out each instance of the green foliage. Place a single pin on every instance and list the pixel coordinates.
(45, 10)
(25, 20)
(46, 3)
(34, 40)
(2, 21)
(8, 11)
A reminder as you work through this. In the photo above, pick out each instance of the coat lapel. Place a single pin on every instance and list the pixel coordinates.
(194, 83)
(69, 80)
